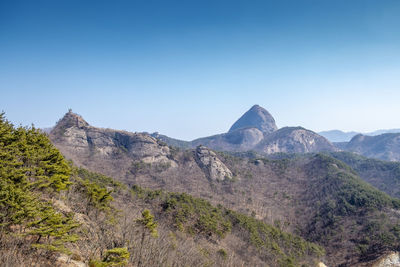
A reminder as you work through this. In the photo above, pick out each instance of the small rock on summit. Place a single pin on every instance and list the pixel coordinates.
(256, 117)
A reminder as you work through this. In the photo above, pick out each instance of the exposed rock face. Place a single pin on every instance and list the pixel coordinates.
(294, 140)
(256, 130)
(79, 141)
(238, 140)
(384, 146)
(256, 117)
(287, 140)
(211, 165)
(389, 260)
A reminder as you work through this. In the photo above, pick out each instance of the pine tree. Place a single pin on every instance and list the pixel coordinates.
(29, 166)
(149, 225)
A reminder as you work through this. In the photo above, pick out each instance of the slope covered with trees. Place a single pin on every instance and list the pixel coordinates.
(296, 193)
(54, 213)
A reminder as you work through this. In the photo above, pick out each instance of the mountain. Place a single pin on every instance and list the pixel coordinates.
(315, 196)
(256, 117)
(384, 146)
(242, 139)
(379, 144)
(56, 214)
(340, 136)
(87, 145)
(256, 130)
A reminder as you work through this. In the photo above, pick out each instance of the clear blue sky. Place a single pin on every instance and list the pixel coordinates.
(191, 68)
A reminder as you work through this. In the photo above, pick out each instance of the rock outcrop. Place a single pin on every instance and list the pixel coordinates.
(211, 164)
(82, 143)
(256, 130)
(384, 146)
(238, 140)
(294, 140)
(256, 117)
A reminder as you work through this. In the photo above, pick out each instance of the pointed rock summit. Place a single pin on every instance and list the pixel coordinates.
(71, 119)
(256, 117)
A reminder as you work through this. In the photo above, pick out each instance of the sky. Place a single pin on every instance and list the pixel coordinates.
(191, 68)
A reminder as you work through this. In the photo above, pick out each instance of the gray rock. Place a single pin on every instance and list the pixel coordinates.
(256, 131)
(294, 140)
(211, 164)
(239, 140)
(256, 117)
(81, 142)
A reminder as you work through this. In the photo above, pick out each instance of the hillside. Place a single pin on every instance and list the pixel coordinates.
(383, 175)
(314, 196)
(54, 213)
(384, 146)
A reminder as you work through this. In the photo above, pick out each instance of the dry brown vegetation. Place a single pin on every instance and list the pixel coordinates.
(54, 214)
(285, 193)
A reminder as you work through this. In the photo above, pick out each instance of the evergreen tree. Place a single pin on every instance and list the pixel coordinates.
(29, 166)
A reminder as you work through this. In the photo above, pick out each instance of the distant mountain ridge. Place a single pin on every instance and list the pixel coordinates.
(378, 145)
(341, 136)
(384, 146)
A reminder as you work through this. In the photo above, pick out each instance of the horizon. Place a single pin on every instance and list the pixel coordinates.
(191, 69)
(99, 126)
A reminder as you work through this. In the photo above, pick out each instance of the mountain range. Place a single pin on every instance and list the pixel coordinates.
(256, 130)
(54, 213)
(327, 198)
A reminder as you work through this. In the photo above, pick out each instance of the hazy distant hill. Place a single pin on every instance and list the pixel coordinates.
(340, 136)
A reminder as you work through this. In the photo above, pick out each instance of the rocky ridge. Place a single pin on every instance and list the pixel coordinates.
(294, 140)
(82, 143)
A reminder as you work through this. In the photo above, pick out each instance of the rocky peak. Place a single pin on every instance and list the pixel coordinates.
(71, 119)
(256, 117)
(211, 165)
